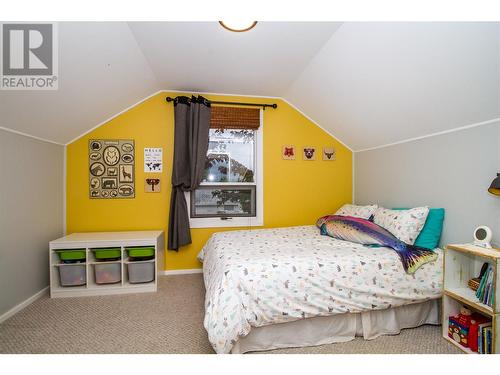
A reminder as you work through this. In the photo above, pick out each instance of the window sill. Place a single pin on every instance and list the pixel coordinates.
(235, 222)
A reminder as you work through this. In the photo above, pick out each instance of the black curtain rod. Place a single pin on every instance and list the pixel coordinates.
(264, 106)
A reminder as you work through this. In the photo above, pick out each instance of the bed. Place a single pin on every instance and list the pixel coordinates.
(285, 287)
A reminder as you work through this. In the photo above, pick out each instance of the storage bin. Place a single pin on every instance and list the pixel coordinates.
(108, 253)
(71, 255)
(72, 274)
(108, 273)
(141, 252)
(141, 272)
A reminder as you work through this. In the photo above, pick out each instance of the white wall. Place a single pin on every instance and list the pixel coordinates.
(31, 214)
(453, 171)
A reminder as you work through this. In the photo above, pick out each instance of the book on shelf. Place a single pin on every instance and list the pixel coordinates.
(474, 331)
(488, 341)
(482, 339)
(485, 292)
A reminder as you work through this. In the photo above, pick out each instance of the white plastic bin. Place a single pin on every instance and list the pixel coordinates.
(141, 271)
(72, 274)
(108, 273)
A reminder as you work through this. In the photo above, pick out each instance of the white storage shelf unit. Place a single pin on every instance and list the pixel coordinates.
(100, 240)
(462, 263)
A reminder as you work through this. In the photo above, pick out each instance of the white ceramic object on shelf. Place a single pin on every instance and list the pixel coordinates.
(482, 236)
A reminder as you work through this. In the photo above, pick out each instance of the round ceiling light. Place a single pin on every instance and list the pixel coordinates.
(238, 26)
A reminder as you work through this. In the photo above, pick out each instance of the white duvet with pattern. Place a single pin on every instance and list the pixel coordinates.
(258, 277)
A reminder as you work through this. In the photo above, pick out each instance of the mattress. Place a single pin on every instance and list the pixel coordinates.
(255, 278)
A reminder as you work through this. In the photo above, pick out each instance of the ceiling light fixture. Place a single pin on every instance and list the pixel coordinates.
(238, 26)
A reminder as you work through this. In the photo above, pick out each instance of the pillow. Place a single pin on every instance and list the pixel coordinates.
(364, 212)
(404, 225)
(431, 232)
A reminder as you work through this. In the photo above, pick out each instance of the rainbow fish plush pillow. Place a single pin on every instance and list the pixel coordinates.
(368, 233)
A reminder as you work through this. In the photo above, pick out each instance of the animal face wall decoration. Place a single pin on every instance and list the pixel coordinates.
(111, 155)
(97, 169)
(309, 153)
(328, 153)
(288, 152)
(111, 168)
(95, 145)
(152, 185)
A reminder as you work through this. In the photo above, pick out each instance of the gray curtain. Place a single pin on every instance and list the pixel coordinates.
(192, 124)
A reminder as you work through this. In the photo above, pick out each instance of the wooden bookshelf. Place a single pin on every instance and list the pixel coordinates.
(463, 262)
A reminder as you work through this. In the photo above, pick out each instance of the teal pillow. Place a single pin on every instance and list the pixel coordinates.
(431, 232)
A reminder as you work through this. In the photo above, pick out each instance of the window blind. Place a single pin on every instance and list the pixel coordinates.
(235, 118)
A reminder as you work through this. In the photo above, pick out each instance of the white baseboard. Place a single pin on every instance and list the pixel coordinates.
(180, 272)
(23, 304)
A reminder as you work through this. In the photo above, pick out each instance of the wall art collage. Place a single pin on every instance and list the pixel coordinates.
(111, 168)
(289, 152)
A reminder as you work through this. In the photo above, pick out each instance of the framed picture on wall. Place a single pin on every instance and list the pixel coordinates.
(111, 168)
(309, 153)
(288, 152)
(328, 153)
(152, 185)
(153, 159)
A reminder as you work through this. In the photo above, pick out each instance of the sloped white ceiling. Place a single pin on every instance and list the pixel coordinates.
(101, 72)
(369, 84)
(378, 83)
(205, 57)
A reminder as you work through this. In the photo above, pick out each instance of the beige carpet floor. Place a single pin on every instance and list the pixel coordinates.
(170, 321)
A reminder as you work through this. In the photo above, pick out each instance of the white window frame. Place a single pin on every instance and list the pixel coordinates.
(254, 221)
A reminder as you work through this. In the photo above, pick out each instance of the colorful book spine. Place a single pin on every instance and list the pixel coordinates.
(488, 341)
(482, 337)
(485, 340)
(485, 292)
(474, 331)
(481, 285)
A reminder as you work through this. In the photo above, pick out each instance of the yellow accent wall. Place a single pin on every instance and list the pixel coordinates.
(295, 192)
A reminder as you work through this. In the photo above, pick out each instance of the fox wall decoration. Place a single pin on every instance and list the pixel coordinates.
(288, 152)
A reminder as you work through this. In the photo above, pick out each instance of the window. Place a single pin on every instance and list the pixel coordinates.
(231, 189)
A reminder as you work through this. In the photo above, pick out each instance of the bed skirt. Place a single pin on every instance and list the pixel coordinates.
(339, 328)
